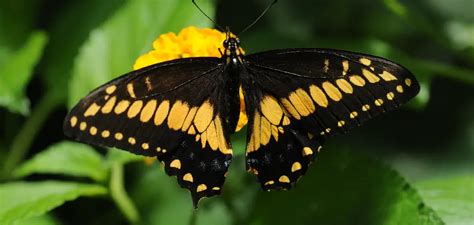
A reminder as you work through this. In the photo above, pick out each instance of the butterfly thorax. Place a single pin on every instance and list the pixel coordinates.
(232, 53)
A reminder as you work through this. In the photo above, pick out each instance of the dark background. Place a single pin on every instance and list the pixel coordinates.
(412, 166)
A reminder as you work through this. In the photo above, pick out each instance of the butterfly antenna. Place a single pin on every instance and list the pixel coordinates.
(199, 8)
(259, 17)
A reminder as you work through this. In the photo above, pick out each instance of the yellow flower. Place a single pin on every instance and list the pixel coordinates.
(190, 42)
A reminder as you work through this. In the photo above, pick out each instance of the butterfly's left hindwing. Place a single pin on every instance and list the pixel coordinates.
(300, 97)
(169, 110)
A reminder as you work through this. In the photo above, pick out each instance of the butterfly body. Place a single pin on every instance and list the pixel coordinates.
(232, 72)
(183, 111)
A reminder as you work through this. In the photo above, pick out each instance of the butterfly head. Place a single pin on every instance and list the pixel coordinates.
(232, 50)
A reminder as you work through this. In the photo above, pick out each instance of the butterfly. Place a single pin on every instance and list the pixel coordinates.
(183, 111)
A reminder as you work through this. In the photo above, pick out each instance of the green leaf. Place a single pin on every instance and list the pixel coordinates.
(16, 70)
(66, 158)
(452, 198)
(45, 219)
(112, 49)
(161, 201)
(419, 20)
(123, 157)
(461, 34)
(16, 29)
(216, 213)
(57, 62)
(120, 196)
(239, 142)
(344, 187)
(23, 200)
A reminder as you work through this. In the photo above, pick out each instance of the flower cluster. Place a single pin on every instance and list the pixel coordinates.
(190, 42)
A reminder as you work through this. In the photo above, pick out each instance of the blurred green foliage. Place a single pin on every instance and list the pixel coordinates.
(414, 166)
(21, 63)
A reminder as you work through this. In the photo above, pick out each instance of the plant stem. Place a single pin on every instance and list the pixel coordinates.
(420, 22)
(119, 195)
(23, 140)
(444, 70)
(193, 219)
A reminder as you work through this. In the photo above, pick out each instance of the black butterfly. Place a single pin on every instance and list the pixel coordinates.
(183, 111)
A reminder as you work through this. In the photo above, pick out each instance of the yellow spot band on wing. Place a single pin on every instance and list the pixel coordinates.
(365, 107)
(271, 109)
(284, 179)
(189, 119)
(188, 177)
(201, 187)
(265, 131)
(378, 102)
(318, 96)
(175, 164)
(109, 90)
(365, 61)
(109, 105)
(243, 118)
(270, 182)
(353, 114)
(341, 123)
(302, 102)
(344, 86)
(121, 107)
(83, 126)
(93, 130)
(162, 112)
(105, 134)
(118, 136)
(326, 65)
(296, 166)
(307, 151)
(135, 109)
(390, 96)
(92, 110)
(148, 111)
(212, 136)
(387, 76)
(357, 80)
(130, 90)
(132, 140)
(204, 116)
(73, 121)
(177, 115)
(371, 77)
(290, 108)
(399, 89)
(332, 91)
(345, 67)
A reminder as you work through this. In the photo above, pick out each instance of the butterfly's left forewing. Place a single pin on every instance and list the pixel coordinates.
(169, 110)
(300, 97)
